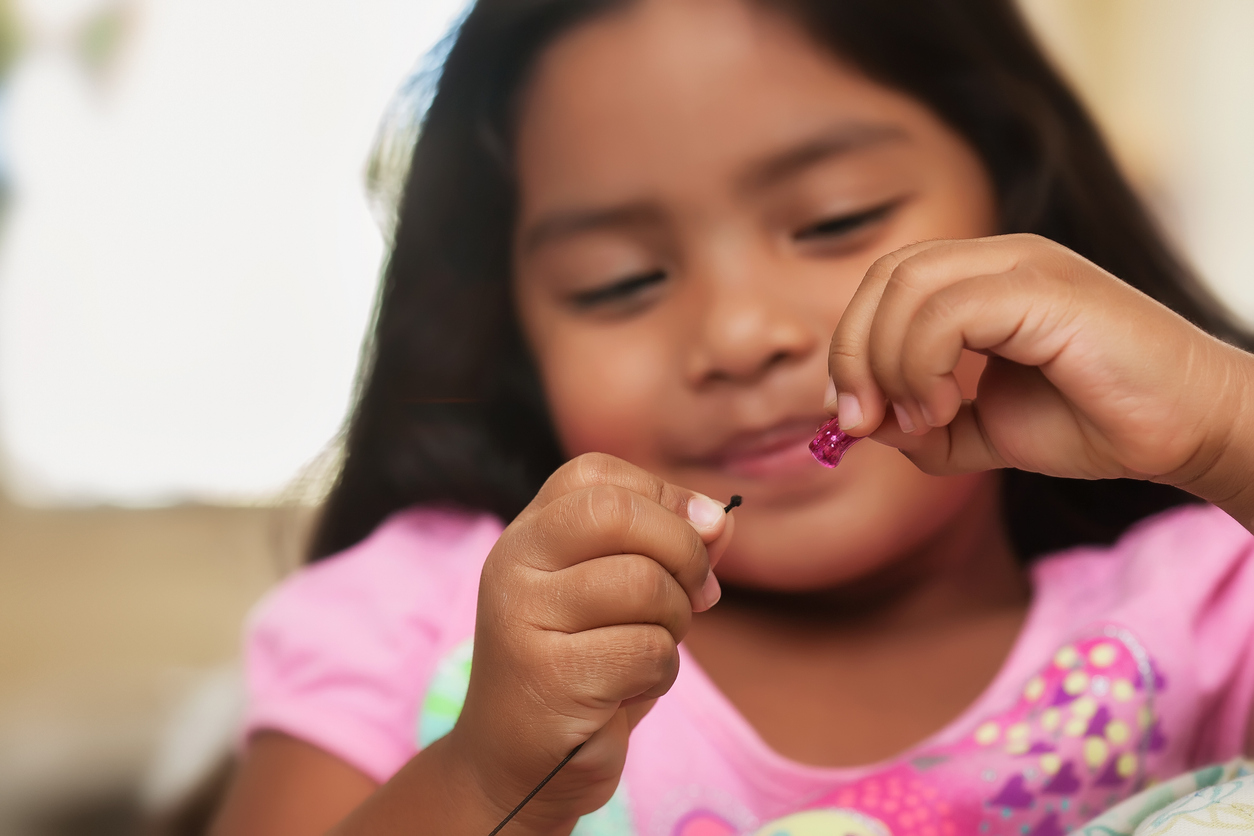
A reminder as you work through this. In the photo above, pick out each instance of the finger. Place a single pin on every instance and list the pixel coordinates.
(860, 401)
(716, 549)
(860, 397)
(597, 469)
(620, 589)
(987, 432)
(959, 447)
(1026, 317)
(610, 665)
(607, 520)
(914, 282)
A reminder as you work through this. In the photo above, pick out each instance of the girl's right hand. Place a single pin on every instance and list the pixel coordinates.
(582, 604)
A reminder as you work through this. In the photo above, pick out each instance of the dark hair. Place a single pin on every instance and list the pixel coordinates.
(450, 408)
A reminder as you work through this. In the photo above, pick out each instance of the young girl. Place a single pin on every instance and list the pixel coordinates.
(629, 233)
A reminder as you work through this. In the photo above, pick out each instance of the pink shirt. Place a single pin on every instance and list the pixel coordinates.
(1136, 662)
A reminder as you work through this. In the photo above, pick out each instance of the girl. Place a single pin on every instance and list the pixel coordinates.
(629, 232)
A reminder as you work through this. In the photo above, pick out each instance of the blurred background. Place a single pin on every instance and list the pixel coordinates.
(187, 265)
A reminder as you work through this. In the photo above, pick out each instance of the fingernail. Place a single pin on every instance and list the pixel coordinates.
(829, 398)
(927, 416)
(710, 591)
(850, 411)
(903, 419)
(703, 512)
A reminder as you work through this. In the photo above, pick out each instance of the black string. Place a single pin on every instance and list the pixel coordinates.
(736, 501)
(532, 794)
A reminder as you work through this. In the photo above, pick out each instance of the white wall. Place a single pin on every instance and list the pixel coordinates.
(1172, 83)
(189, 263)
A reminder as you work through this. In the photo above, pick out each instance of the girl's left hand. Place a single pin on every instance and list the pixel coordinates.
(1086, 377)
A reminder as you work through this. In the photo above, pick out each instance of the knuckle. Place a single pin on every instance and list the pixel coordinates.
(667, 495)
(609, 507)
(909, 274)
(501, 573)
(525, 541)
(602, 469)
(939, 310)
(654, 647)
(1033, 270)
(1065, 272)
(643, 581)
(591, 468)
(885, 265)
(1031, 239)
(1040, 252)
(565, 475)
(845, 347)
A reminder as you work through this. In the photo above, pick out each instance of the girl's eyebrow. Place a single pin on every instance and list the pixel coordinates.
(834, 142)
(842, 139)
(564, 224)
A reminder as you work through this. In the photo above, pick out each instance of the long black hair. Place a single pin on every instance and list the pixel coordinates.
(450, 409)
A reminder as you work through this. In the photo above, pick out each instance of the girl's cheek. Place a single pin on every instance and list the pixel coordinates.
(604, 398)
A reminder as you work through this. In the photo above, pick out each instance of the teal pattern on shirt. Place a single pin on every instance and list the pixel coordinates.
(443, 703)
(1216, 799)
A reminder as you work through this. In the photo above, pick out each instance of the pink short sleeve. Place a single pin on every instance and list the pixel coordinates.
(340, 653)
(1216, 576)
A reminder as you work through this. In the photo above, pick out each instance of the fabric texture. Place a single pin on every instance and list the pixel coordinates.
(1215, 799)
(1135, 664)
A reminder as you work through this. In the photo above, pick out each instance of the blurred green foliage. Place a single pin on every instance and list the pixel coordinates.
(10, 38)
(101, 38)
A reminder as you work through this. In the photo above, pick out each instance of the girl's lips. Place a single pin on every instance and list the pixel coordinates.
(780, 450)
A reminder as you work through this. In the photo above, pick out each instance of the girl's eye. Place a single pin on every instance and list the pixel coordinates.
(623, 290)
(844, 224)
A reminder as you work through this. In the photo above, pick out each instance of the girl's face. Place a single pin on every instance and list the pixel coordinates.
(701, 190)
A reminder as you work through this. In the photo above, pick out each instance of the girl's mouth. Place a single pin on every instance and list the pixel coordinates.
(780, 450)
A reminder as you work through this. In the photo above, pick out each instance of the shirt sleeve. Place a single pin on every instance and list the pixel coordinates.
(1222, 632)
(339, 654)
(1190, 574)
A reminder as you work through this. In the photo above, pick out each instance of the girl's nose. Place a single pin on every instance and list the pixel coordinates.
(746, 330)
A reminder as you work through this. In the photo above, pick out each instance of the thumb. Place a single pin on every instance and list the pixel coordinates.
(708, 516)
(713, 522)
(718, 547)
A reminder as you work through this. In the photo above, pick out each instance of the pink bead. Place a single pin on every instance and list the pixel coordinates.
(830, 445)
